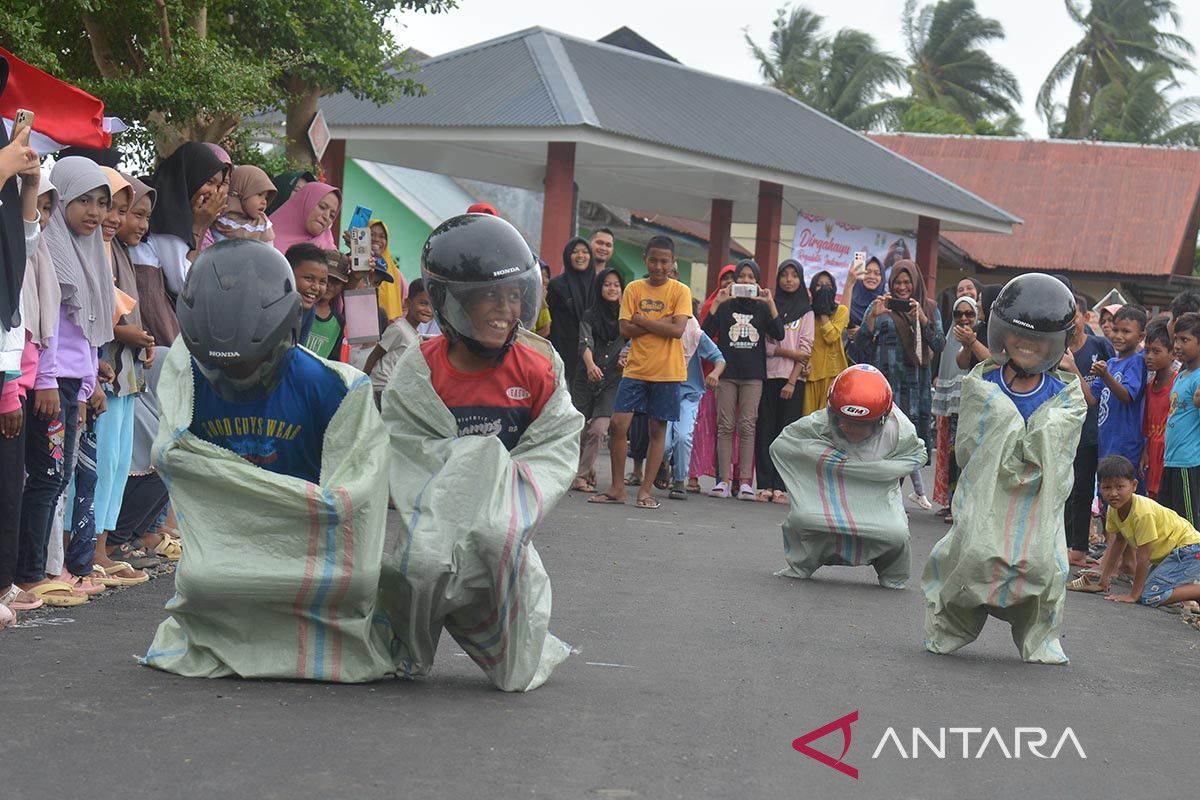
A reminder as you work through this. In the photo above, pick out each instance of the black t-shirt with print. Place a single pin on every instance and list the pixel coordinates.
(740, 327)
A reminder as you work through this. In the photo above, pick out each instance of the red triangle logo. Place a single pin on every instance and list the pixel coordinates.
(843, 724)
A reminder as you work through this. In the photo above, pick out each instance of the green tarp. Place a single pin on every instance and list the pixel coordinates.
(1005, 554)
(845, 510)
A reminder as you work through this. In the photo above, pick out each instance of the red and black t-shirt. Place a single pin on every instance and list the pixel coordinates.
(500, 401)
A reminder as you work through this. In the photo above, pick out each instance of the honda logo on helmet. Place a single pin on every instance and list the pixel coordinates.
(855, 411)
(224, 354)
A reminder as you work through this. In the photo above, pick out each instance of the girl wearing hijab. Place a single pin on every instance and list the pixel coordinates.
(866, 290)
(391, 295)
(740, 327)
(781, 403)
(130, 354)
(286, 184)
(594, 390)
(966, 287)
(192, 190)
(67, 368)
(947, 391)
(829, 351)
(245, 217)
(704, 438)
(307, 216)
(904, 346)
(569, 296)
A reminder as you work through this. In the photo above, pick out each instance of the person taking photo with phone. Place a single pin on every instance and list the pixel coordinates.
(741, 318)
(903, 334)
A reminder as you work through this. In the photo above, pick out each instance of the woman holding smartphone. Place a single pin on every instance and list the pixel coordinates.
(830, 319)
(903, 334)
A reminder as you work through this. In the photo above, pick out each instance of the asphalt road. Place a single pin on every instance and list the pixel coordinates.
(697, 670)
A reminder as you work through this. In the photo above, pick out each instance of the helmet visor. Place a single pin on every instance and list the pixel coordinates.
(489, 312)
(246, 382)
(1026, 350)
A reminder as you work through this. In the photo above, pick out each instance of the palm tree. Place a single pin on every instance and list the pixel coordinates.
(1120, 36)
(949, 69)
(1137, 110)
(844, 76)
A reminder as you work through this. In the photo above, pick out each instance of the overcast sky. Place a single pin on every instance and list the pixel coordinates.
(708, 35)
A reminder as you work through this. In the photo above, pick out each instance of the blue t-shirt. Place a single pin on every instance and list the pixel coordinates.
(1027, 402)
(1120, 423)
(706, 350)
(284, 431)
(1094, 349)
(1183, 422)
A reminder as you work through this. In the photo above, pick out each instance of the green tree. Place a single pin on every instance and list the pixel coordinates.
(1120, 37)
(1137, 110)
(194, 69)
(921, 118)
(948, 67)
(844, 76)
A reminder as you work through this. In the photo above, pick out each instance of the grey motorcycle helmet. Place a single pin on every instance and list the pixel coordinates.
(239, 316)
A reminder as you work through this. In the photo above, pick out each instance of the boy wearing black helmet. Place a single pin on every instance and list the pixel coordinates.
(484, 442)
(275, 460)
(1005, 554)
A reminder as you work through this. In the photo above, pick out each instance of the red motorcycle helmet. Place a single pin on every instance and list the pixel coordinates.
(860, 393)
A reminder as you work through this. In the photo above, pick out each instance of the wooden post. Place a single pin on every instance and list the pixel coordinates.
(558, 205)
(720, 240)
(333, 171)
(928, 233)
(770, 217)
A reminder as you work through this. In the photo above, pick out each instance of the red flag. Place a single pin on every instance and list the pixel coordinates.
(63, 114)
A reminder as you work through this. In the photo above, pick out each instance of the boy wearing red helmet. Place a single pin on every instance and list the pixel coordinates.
(858, 448)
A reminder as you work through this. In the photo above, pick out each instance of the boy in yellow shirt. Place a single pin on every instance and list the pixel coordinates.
(1166, 546)
(654, 312)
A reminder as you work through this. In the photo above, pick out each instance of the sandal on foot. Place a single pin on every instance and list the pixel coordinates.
(581, 485)
(693, 486)
(57, 594)
(606, 499)
(721, 489)
(647, 503)
(780, 498)
(119, 574)
(12, 599)
(1086, 582)
(7, 617)
(136, 557)
(89, 586)
(633, 479)
(747, 493)
(678, 492)
(168, 548)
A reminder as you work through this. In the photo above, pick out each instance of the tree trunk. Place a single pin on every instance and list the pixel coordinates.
(170, 135)
(301, 106)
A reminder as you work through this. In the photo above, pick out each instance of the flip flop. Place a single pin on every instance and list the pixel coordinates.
(1086, 582)
(648, 503)
(629, 480)
(7, 617)
(780, 498)
(108, 576)
(9, 599)
(580, 485)
(693, 488)
(605, 499)
(57, 594)
(677, 494)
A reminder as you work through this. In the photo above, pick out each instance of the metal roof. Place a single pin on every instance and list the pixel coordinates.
(651, 128)
(1089, 207)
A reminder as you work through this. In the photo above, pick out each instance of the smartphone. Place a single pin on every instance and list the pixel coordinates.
(361, 218)
(860, 263)
(899, 306)
(22, 119)
(743, 290)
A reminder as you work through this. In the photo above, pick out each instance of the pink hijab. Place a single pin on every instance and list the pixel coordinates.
(290, 217)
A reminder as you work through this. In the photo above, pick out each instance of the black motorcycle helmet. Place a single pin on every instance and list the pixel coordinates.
(239, 315)
(483, 281)
(1031, 323)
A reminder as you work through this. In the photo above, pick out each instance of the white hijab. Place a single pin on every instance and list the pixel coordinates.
(81, 262)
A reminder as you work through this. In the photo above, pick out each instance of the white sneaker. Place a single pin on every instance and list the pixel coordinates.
(720, 490)
(921, 500)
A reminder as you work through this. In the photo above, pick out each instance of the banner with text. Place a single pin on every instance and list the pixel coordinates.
(825, 244)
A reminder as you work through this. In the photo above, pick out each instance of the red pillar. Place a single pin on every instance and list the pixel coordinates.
(928, 233)
(333, 172)
(770, 217)
(720, 240)
(558, 205)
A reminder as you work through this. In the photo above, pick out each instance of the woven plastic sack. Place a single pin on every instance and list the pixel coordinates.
(845, 511)
(1006, 553)
(279, 576)
(465, 560)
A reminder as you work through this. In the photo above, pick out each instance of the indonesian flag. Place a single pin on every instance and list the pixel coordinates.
(63, 114)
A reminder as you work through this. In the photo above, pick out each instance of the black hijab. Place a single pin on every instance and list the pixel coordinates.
(792, 305)
(285, 186)
(178, 177)
(824, 300)
(605, 315)
(12, 237)
(577, 284)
